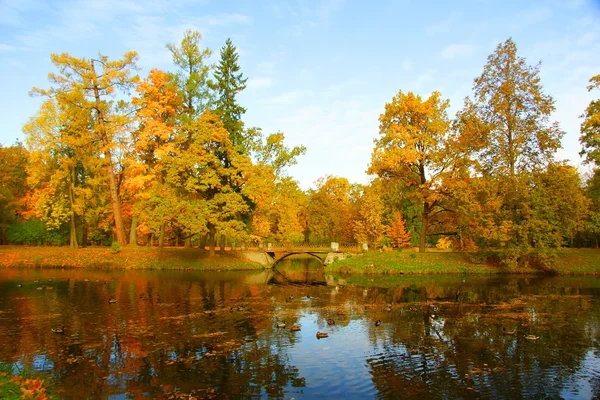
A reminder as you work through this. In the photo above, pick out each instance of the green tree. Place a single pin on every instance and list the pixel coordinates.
(229, 82)
(194, 73)
(507, 127)
(208, 185)
(512, 113)
(590, 127)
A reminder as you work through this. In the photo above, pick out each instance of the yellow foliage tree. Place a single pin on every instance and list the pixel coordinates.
(416, 148)
(90, 85)
(368, 225)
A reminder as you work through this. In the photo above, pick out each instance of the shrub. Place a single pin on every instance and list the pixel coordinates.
(115, 247)
(34, 232)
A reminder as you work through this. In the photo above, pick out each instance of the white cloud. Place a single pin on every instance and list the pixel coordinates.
(536, 16)
(443, 26)
(338, 136)
(288, 97)
(259, 82)
(422, 79)
(7, 47)
(456, 50)
(227, 19)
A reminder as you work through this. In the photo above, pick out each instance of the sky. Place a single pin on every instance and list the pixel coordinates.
(319, 71)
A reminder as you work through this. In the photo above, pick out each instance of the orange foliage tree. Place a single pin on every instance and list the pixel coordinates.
(397, 231)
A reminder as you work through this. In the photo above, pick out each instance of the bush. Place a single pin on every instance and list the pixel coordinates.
(34, 232)
(543, 259)
(115, 247)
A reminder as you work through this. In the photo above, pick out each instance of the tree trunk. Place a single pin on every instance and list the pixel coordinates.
(424, 229)
(177, 240)
(152, 240)
(222, 245)
(116, 203)
(202, 242)
(233, 246)
(133, 233)
(84, 234)
(187, 243)
(73, 233)
(114, 193)
(211, 241)
(161, 238)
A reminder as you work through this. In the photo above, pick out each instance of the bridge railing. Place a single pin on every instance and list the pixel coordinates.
(350, 247)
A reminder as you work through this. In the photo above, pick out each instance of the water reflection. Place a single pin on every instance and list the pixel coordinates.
(175, 334)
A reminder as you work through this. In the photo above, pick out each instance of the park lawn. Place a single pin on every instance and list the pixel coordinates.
(578, 262)
(569, 262)
(172, 258)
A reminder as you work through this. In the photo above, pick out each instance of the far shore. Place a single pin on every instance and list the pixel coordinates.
(569, 261)
(130, 257)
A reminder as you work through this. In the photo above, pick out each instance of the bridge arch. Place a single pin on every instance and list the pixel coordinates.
(310, 253)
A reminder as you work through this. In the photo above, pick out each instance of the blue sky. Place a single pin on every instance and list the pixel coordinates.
(319, 71)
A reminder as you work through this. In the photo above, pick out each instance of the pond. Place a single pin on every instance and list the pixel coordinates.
(156, 334)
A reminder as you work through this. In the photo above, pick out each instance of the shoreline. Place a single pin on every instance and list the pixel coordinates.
(578, 262)
(128, 258)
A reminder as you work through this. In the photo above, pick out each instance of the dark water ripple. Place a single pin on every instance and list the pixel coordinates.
(183, 335)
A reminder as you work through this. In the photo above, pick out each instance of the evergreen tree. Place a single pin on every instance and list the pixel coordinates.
(229, 81)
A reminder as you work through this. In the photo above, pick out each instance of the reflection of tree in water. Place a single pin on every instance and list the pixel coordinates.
(299, 270)
(473, 355)
(217, 336)
(188, 334)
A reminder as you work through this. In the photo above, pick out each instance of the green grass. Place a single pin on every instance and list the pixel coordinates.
(578, 262)
(127, 258)
(569, 261)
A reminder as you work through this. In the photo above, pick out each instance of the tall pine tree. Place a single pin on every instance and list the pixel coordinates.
(229, 81)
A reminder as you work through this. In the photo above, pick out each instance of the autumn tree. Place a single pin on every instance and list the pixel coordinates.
(590, 127)
(415, 148)
(91, 84)
(154, 144)
(229, 82)
(278, 202)
(513, 115)
(329, 210)
(397, 231)
(208, 184)
(64, 174)
(368, 226)
(194, 73)
(13, 185)
(513, 140)
(559, 206)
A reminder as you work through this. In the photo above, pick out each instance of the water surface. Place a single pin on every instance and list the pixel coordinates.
(216, 335)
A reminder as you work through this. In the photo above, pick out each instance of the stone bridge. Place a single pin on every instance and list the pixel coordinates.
(271, 258)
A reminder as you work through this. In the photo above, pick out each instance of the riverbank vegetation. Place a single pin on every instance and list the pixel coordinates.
(565, 262)
(125, 258)
(166, 160)
(17, 387)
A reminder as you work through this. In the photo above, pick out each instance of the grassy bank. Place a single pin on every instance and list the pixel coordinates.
(569, 262)
(126, 258)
